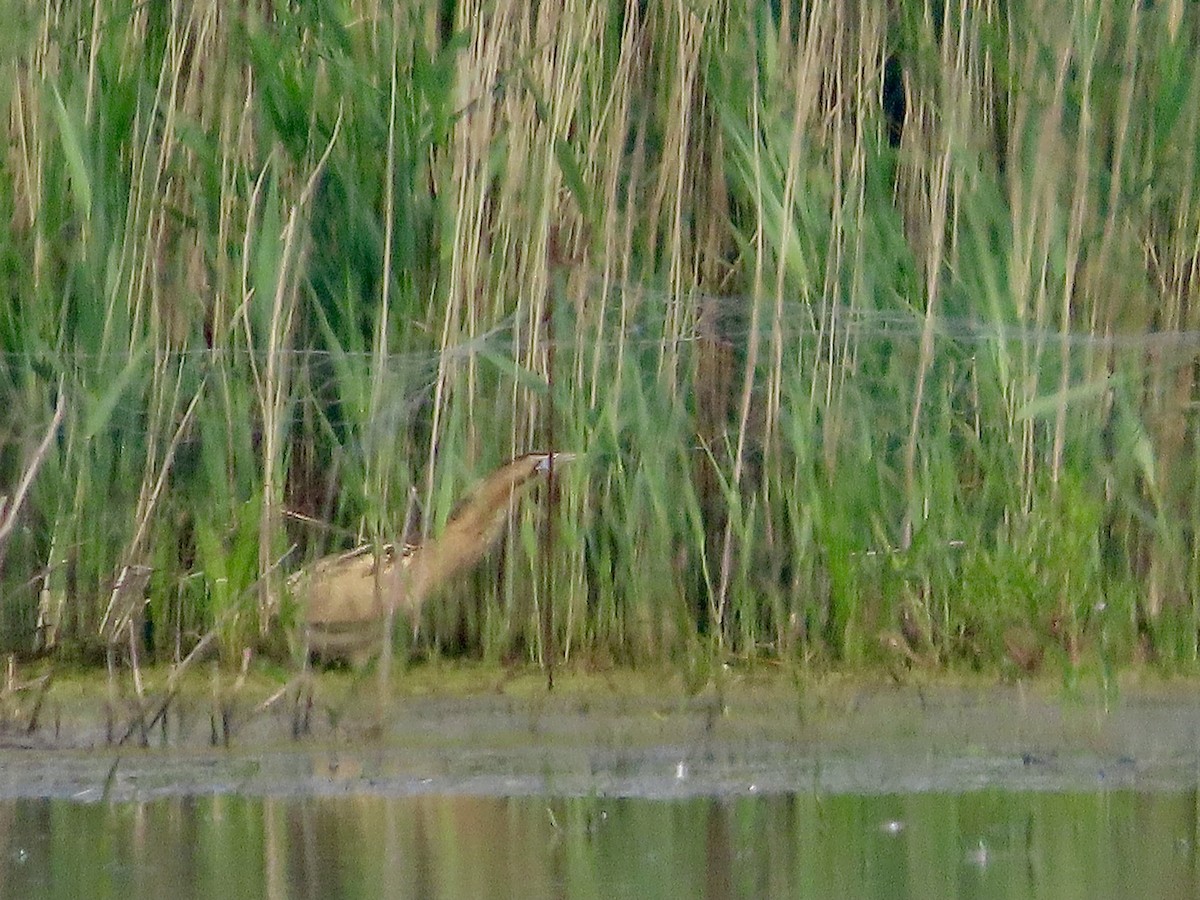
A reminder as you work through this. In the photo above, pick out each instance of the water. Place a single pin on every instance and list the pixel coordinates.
(938, 793)
(1122, 843)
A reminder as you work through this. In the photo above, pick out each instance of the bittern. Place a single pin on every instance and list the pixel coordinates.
(346, 598)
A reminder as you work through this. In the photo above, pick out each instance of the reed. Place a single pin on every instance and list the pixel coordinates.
(871, 320)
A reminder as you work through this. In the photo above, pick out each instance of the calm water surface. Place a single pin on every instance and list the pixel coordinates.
(1122, 843)
(878, 793)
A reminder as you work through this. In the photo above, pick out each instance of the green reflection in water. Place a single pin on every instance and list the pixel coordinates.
(986, 844)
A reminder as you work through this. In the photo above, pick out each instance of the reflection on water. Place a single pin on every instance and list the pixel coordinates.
(985, 844)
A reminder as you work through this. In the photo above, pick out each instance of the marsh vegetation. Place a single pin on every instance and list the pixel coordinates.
(874, 324)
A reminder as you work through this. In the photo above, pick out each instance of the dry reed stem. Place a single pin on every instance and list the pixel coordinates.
(147, 501)
(11, 508)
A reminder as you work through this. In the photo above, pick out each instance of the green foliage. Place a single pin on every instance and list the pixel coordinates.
(838, 367)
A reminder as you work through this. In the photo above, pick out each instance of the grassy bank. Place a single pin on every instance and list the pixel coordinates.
(874, 322)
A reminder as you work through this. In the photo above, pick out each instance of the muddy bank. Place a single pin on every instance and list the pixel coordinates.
(627, 734)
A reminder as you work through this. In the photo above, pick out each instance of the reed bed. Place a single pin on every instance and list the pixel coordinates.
(874, 321)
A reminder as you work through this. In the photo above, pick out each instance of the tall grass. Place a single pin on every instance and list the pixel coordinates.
(871, 319)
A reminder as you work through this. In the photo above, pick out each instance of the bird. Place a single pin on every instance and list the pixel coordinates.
(346, 599)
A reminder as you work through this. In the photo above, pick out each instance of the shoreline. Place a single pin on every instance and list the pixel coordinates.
(475, 730)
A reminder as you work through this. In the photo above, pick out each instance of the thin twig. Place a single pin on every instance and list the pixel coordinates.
(43, 687)
(172, 687)
(150, 502)
(13, 507)
(173, 680)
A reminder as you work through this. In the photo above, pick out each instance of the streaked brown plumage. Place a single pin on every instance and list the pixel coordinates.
(344, 612)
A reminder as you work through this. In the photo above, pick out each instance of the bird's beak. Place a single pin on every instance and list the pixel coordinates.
(555, 459)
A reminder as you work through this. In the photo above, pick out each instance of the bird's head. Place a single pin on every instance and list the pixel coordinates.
(487, 505)
(480, 518)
